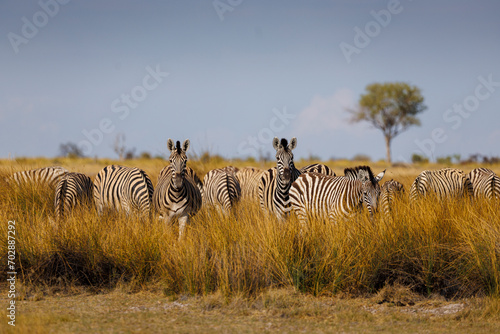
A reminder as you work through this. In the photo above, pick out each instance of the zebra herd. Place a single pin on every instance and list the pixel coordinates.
(314, 191)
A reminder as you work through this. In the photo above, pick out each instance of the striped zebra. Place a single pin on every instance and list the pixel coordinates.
(123, 188)
(72, 189)
(389, 193)
(444, 183)
(319, 196)
(485, 183)
(274, 184)
(175, 194)
(318, 168)
(193, 177)
(43, 176)
(221, 188)
(249, 178)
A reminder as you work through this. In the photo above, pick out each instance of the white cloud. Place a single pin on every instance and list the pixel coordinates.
(326, 114)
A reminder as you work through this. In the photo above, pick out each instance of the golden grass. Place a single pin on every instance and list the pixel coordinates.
(450, 249)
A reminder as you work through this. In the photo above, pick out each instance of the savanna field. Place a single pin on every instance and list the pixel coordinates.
(433, 268)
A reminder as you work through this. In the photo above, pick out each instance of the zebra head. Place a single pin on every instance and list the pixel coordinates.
(371, 187)
(178, 161)
(284, 158)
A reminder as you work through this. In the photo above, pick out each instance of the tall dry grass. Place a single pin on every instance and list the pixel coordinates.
(452, 249)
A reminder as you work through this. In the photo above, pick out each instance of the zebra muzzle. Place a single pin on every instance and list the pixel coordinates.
(177, 180)
(287, 175)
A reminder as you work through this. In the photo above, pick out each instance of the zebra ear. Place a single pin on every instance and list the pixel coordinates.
(170, 145)
(185, 145)
(276, 143)
(380, 176)
(293, 144)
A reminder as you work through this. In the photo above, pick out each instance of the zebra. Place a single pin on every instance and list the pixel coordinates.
(249, 178)
(320, 196)
(444, 183)
(390, 190)
(485, 183)
(71, 190)
(193, 177)
(318, 168)
(123, 188)
(275, 183)
(175, 194)
(44, 176)
(221, 188)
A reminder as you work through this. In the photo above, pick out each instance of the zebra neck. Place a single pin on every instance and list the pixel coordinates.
(281, 187)
(281, 195)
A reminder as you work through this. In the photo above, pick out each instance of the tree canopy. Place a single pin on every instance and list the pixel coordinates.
(391, 108)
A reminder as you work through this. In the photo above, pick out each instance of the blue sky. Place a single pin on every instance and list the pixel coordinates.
(230, 75)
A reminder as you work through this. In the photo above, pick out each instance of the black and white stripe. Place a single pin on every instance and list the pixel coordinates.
(221, 188)
(123, 188)
(445, 183)
(193, 177)
(249, 178)
(275, 183)
(72, 189)
(485, 183)
(318, 196)
(175, 194)
(48, 176)
(318, 168)
(391, 191)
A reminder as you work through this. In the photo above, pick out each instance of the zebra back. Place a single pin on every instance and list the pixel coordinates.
(317, 196)
(123, 188)
(230, 169)
(390, 191)
(485, 183)
(318, 168)
(249, 178)
(43, 176)
(445, 183)
(221, 188)
(72, 189)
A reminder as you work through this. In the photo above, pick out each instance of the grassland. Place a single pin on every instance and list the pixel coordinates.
(434, 267)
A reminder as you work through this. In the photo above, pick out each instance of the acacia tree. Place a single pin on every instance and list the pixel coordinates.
(391, 108)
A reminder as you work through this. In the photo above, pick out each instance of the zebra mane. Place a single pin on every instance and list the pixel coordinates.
(362, 173)
(284, 143)
(178, 147)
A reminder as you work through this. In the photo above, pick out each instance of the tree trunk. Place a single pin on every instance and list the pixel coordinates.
(388, 148)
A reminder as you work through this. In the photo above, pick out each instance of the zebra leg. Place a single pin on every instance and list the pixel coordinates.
(100, 209)
(183, 220)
